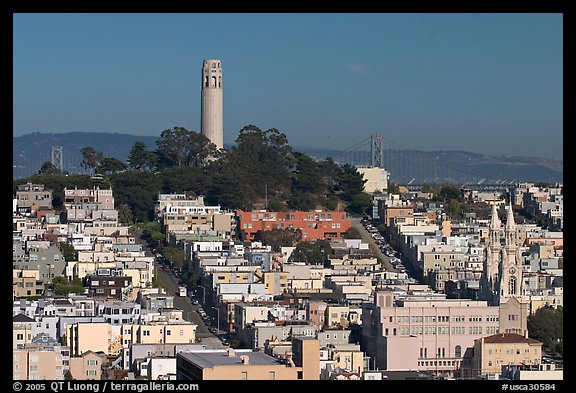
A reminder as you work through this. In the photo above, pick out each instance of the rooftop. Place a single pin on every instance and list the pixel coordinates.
(211, 358)
(509, 338)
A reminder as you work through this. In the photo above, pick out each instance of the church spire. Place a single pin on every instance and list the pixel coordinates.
(510, 225)
(494, 220)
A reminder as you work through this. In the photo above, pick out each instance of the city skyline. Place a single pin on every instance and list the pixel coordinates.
(485, 83)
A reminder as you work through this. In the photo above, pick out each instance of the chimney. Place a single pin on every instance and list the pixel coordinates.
(245, 359)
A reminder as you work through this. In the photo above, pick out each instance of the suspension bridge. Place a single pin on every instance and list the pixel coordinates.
(414, 168)
(66, 161)
(406, 167)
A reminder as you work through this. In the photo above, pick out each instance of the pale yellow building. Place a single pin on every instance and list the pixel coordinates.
(158, 333)
(349, 359)
(493, 352)
(275, 283)
(376, 179)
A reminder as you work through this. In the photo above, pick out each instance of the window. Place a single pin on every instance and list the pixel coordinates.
(92, 362)
(244, 376)
(91, 373)
(271, 375)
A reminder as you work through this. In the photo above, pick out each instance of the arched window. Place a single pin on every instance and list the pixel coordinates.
(458, 351)
(219, 81)
(213, 81)
(206, 81)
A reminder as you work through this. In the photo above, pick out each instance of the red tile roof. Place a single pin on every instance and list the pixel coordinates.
(509, 338)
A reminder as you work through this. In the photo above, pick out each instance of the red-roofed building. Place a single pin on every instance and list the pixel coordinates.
(314, 225)
(503, 349)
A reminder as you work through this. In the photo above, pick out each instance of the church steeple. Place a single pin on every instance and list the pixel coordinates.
(511, 276)
(491, 274)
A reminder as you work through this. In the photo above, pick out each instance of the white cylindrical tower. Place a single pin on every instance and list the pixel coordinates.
(212, 117)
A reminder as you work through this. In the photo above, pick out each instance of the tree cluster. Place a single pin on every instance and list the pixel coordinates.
(260, 171)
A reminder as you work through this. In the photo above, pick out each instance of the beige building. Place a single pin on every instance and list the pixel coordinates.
(336, 316)
(32, 197)
(376, 179)
(437, 260)
(84, 336)
(398, 214)
(493, 352)
(38, 363)
(21, 330)
(86, 366)
(26, 283)
(514, 316)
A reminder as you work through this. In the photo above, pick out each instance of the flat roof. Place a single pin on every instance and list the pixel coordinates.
(210, 359)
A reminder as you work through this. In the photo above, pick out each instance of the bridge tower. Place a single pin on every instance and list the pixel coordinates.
(57, 157)
(377, 150)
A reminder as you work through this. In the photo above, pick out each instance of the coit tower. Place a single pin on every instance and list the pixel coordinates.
(212, 102)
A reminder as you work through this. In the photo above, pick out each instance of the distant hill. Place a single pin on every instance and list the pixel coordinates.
(32, 150)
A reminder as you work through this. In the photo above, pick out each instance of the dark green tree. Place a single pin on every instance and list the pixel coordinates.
(332, 203)
(110, 165)
(140, 158)
(138, 192)
(48, 168)
(313, 253)
(276, 205)
(330, 173)
(352, 233)
(62, 286)
(359, 204)
(547, 326)
(302, 201)
(278, 238)
(350, 182)
(125, 214)
(180, 147)
(68, 251)
(189, 180)
(175, 255)
(90, 158)
(307, 177)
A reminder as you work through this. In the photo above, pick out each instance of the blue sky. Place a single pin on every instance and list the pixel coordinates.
(487, 83)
